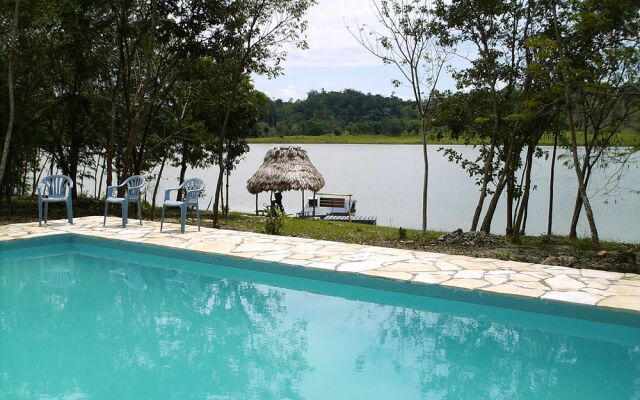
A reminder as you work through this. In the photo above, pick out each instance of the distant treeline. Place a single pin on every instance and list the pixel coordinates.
(345, 112)
(351, 112)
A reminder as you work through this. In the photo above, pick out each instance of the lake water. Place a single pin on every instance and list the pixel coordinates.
(387, 182)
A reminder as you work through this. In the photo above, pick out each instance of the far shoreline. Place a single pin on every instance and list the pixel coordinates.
(622, 140)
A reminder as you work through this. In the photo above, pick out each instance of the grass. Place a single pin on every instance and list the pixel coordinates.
(577, 253)
(330, 230)
(622, 139)
(389, 236)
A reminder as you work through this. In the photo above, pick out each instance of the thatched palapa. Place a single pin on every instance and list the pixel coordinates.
(283, 169)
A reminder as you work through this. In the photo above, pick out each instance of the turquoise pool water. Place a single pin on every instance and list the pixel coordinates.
(86, 319)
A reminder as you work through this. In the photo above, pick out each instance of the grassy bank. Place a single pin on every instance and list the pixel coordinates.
(622, 139)
(555, 251)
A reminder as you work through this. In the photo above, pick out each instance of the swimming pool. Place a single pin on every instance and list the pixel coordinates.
(90, 318)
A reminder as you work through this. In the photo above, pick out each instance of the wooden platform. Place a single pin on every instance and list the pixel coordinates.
(358, 219)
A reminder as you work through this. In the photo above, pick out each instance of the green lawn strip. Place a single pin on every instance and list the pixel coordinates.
(624, 139)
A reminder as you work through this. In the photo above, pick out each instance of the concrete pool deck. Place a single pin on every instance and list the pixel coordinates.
(555, 283)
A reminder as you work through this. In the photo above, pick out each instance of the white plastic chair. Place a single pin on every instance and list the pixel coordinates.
(192, 188)
(55, 188)
(135, 186)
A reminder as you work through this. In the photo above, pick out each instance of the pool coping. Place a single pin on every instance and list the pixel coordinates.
(553, 284)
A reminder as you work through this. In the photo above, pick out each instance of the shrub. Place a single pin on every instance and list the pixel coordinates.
(274, 220)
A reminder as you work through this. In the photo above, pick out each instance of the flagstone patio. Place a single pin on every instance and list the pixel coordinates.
(555, 283)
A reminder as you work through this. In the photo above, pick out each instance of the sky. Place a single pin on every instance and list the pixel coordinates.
(334, 59)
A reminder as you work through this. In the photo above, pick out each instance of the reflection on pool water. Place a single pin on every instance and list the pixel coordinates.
(79, 321)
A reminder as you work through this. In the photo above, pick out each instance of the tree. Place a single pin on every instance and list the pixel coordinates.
(406, 39)
(255, 33)
(599, 75)
(510, 104)
(12, 111)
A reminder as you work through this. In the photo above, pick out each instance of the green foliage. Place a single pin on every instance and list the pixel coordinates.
(344, 112)
(106, 89)
(274, 220)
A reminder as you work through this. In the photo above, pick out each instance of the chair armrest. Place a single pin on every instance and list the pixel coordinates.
(167, 193)
(69, 190)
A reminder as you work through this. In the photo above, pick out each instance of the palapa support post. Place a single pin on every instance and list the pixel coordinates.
(256, 204)
(302, 212)
(314, 204)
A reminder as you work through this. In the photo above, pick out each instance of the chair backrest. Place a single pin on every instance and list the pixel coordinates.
(56, 185)
(135, 185)
(192, 188)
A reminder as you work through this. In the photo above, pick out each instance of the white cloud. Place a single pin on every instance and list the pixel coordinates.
(335, 60)
(289, 92)
(330, 43)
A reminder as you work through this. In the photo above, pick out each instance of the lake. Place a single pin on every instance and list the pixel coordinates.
(387, 182)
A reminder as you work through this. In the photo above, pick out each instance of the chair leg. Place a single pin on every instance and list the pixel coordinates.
(162, 218)
(140, 212)
(183, 218)
(46, 212)
(198, 216)
(39, 212)
(125, 213)
(106, 210)
(70, 211)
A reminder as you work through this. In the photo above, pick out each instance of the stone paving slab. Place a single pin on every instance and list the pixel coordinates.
(554, 283)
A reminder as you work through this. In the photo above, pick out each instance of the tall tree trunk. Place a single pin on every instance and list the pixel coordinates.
(222, 201)
(524, 205)
(112, 131)
(23, 185)
(509, 208)
(488, 166)
(138, 156)
(235, 81)
(223, 132)
(183, 170)
(99, 194)
(425, 184)
(524, 220)
(226, 210)
(491, 209)
(36, 177)
(551, 181)
(577, 207)
(74, 148)
(12, 105)
(486, 178)
(96, 194)
(155, 189)
(81, 182)
(568, 98)
(8, 192)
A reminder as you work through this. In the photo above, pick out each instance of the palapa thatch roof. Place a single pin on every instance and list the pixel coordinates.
(285, 168)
